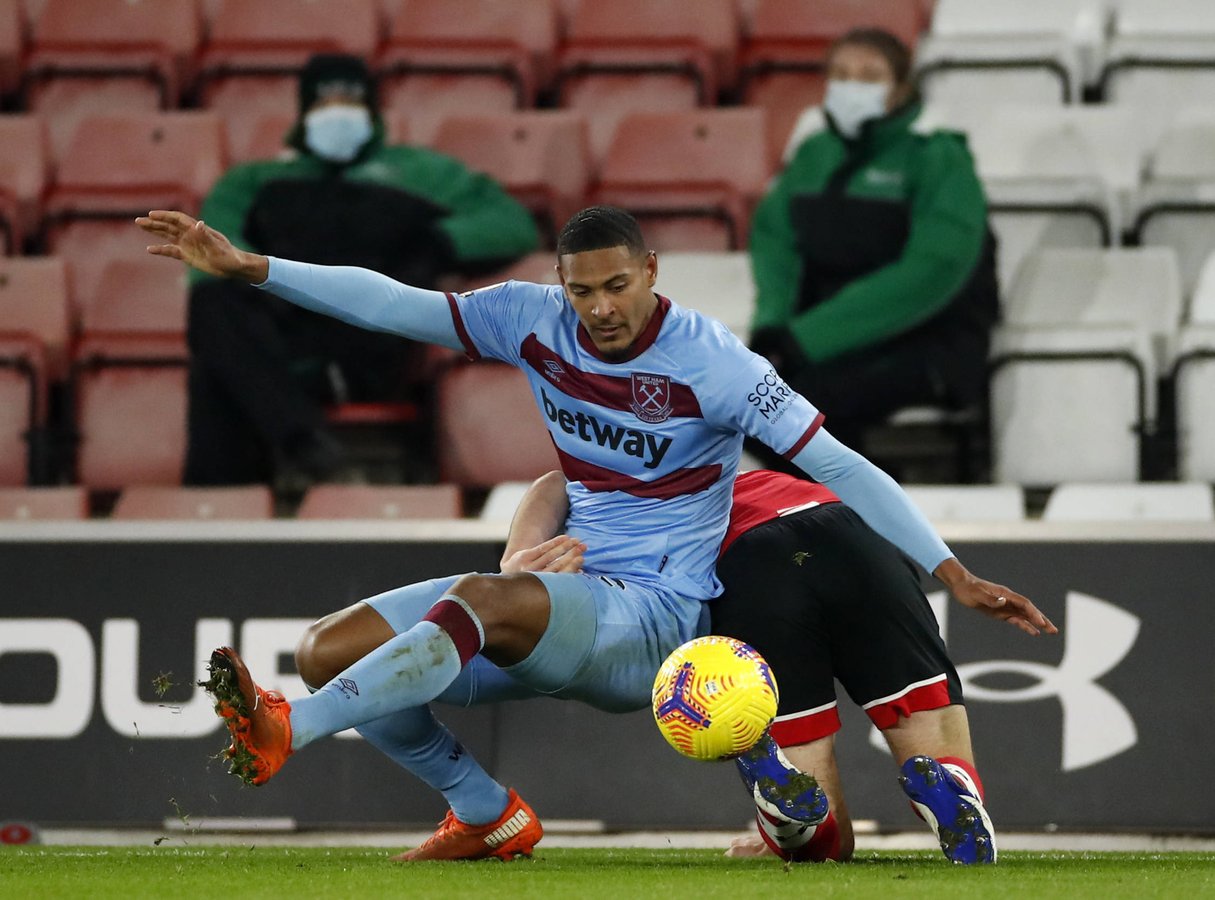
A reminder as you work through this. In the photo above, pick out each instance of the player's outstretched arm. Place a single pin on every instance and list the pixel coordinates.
(358, 296)
(197, 244)
(991, 599)
(885, 507)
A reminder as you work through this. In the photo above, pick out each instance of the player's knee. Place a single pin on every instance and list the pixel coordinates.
(336, 642)
(314, 657)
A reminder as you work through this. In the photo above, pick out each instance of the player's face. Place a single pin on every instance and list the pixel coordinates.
(612, 291)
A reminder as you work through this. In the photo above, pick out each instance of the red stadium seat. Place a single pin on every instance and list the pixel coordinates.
(44, 503)
(117, 165)
(693, 177)
(784, 96)
(605, 101)
(130, 396)
(510, 41)
(138, 296)
(427, 99)
(22, 405)
(488, 428)
(34, 305)
(88, 246)
(694, 41)
(148, 501)
(91, 56)
(275, 38)
(24, 170)
(541, 158)
(11, 40)
(362, 501)
(248, 105)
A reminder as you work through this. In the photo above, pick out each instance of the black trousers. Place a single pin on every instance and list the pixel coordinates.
(260, 376)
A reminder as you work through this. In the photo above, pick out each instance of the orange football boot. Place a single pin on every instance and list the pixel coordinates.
(514, 834)
(258, 720)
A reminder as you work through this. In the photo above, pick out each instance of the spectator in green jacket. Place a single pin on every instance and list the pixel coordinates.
(262, 372)
(872, 255)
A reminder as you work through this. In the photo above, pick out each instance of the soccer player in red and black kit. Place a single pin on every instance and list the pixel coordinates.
(822, 596)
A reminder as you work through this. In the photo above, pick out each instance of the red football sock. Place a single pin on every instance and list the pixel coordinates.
(797, 842)
(461, 624)
(966, 767)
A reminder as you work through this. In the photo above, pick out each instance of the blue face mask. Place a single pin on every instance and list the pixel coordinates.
(853, 103)
(337, 133)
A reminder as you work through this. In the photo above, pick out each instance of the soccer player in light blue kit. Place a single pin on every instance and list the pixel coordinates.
(647, 404)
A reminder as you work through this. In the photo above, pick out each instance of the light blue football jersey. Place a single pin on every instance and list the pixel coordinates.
(650, 444)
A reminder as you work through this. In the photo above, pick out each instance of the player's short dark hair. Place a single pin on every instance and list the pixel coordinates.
(897, 54)
(600, 227)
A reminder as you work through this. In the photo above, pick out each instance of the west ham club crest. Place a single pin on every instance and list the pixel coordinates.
(651, 397)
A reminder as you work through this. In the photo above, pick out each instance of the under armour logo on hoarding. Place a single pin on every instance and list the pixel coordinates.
(1097, 636)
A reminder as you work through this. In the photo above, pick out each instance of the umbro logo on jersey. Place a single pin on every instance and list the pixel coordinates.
(553, 369)
(641, 444)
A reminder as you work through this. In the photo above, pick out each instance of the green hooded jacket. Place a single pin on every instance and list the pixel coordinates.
(860, 241)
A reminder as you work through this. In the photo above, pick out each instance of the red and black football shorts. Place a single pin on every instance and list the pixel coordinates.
(823, 596)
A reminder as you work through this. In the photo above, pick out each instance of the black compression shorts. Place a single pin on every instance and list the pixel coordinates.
(822, 596)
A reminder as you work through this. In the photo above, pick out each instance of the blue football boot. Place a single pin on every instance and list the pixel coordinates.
(778, 787)
(947, 798)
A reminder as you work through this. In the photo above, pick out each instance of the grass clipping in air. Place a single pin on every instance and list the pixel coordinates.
(165, 871)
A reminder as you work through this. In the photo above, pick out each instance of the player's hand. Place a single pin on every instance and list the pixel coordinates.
(558, 554)
(994, 600)
(201, 246)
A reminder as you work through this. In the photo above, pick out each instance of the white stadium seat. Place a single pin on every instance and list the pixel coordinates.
(1195, 386)
(969, 502)
(1067, 404)
(1157, 502)
(716, 284)
(1055, 176)
(503, 500)
(1039, 51)
(1175, 207)
(1161, 56)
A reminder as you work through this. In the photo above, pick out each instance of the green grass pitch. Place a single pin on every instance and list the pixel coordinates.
(249, 872)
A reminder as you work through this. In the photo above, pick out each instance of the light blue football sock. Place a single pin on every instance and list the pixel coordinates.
(408, 671)
(416, 740)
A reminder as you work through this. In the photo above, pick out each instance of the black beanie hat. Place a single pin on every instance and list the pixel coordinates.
(336, 69)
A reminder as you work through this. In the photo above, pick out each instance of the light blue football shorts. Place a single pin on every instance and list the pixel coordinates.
(605, 641)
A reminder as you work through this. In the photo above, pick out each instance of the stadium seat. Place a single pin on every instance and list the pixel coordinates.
(638, 56)
(541, 158)
(1139, 287)
(136, 296)
(91, 56)
(249, 64)
(12, 39)
(1161, 57)
(503, 500)
(130, 393)
(22, 406)
(44, 503)
(1194, 386)
(257, 112)
(1036, 51)
(34, 304)
(1055, 176)
(24, 171)
(1176, 502)
(118, 165)
(782, 57)
(969, 502)
(487, 427)
(1070, 404)
(146, 501)
(693, 177)
(716, 284)
(364, 501)
(427, 99)
(1174, 206)
(506, 41)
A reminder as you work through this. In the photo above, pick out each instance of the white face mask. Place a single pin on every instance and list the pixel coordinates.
(338, 132)
(853, 103)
